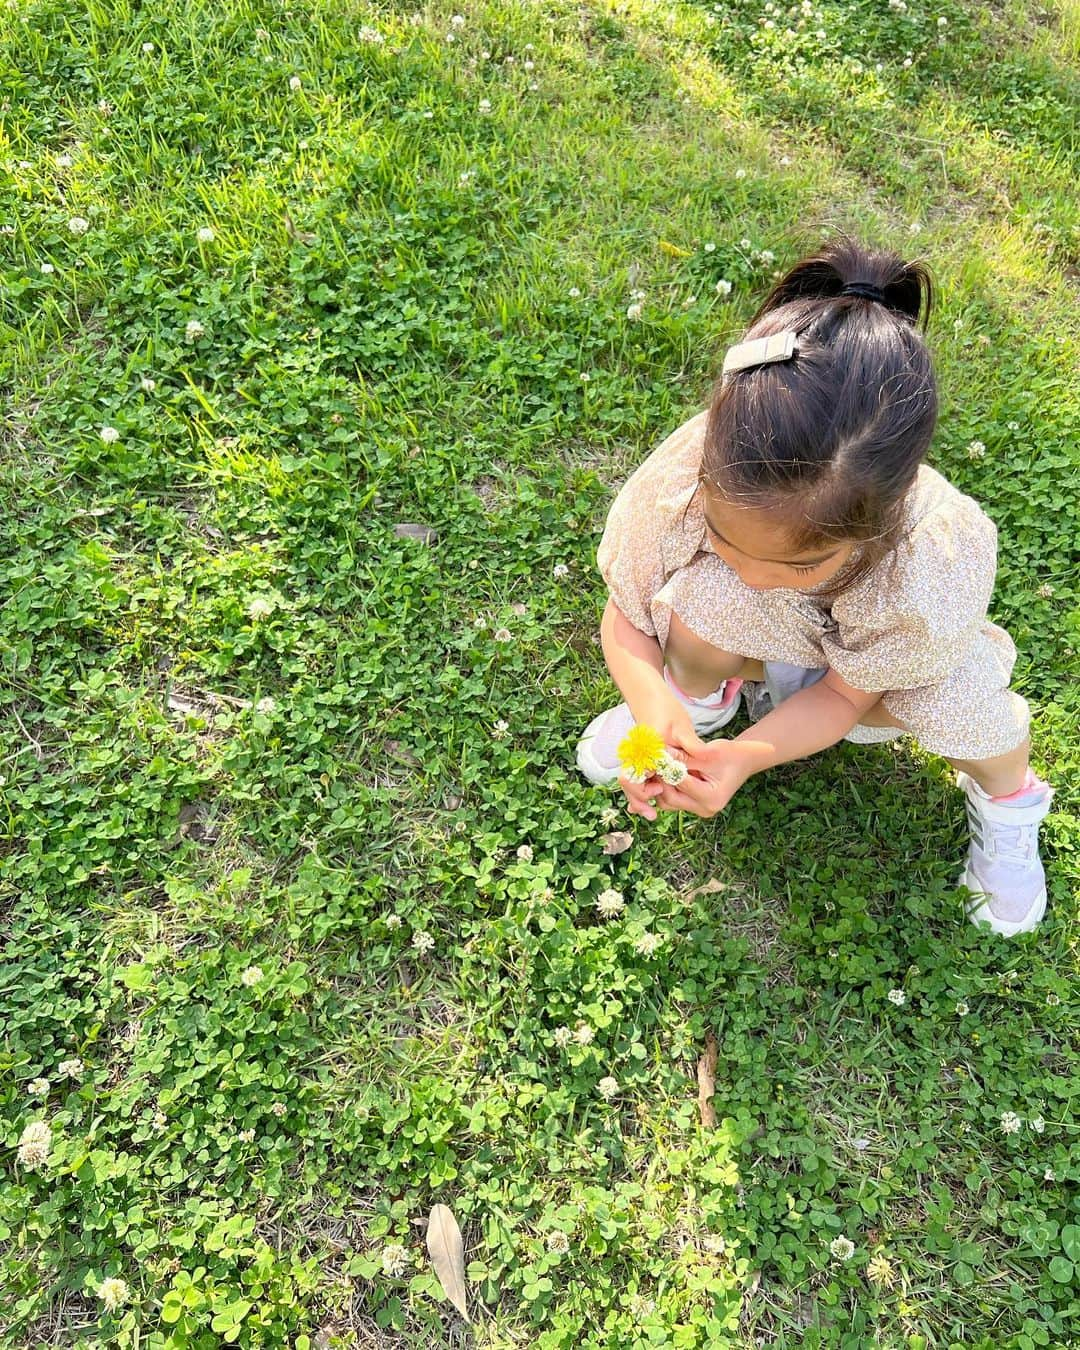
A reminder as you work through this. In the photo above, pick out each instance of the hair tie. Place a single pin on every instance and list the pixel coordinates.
(866, 289)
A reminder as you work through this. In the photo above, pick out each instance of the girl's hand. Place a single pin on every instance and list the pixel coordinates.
(672, 722)
(716, 772)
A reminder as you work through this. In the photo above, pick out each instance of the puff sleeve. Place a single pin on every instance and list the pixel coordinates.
(916, 619)
(645, 537)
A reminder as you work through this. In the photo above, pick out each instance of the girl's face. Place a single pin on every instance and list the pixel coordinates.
(756, 546)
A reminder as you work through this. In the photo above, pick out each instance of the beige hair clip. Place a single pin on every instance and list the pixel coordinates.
(759, 352)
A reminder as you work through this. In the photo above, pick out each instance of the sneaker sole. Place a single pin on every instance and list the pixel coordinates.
(983, 916)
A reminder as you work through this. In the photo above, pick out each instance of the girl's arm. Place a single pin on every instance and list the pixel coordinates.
(635, 659)
(806, 722)
(803, 724)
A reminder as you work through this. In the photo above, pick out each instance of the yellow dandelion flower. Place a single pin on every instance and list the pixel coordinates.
(639, 752)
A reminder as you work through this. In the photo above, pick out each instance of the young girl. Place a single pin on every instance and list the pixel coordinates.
(789, 545)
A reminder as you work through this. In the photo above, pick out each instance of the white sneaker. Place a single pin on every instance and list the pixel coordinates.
(1003, 866)
(597, 751)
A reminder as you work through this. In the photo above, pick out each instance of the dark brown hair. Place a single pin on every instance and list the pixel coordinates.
(831, 439)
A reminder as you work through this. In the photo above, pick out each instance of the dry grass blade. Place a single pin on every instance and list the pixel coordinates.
(447, 1255)
(706, 1080)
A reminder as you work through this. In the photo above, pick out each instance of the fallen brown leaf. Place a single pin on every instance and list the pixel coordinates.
(616, 842)
(707, 888)
(447, 1255)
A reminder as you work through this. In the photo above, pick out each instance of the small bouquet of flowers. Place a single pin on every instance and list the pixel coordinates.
(643, 754)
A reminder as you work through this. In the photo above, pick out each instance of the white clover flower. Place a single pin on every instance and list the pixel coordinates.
(745, 243)
(147, 47)
(649, 944)
(528, 65)
(1037, 1124)
(205, 234)
(962, 1009)
(560, 570)
(533, 85)
(395, 1259)
(109, 435)
(47, 269)
(503, 635)
(484, 105)
(295, 82)
(428, 113)
(78, 225)
(369, 34)
(906, 63)
(976, 450)
(525, 852)
(740, 173)
(610, 815)
(671, 770)
(278, 1108)
(573, 292)
(785, 160)
(194, 330)
(641, 1307)
(585, 377)
(458, 20)
(422, 942)
(1013, 426)
(252, 975)
(64, 161)
(943, 22)
(71, 1068)
(1045, 591)
(633, 312)
(246, 1136)
(710, 247)
(113, 1292)
(607, 1088)
(1049, 1175)
(500, 729)
(34, 1145)
(393, 921)
(160, 1120)
(898, 997)
(38, 1087)
(266, 705)
(451, 37)
(1052, 1000)
(260, 607)
(842, 1248)
(583, 1033)
(723, 287)
(558, 1244)
(147, 385)
(1010, 1122)
(610, 902)
(563, 1036)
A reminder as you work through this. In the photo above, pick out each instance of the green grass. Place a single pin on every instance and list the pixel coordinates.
(194, 784)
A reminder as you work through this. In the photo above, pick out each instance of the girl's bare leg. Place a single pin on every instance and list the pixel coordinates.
(997, 776)
(697, 667)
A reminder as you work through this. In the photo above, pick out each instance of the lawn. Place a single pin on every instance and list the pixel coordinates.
(319, 384)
